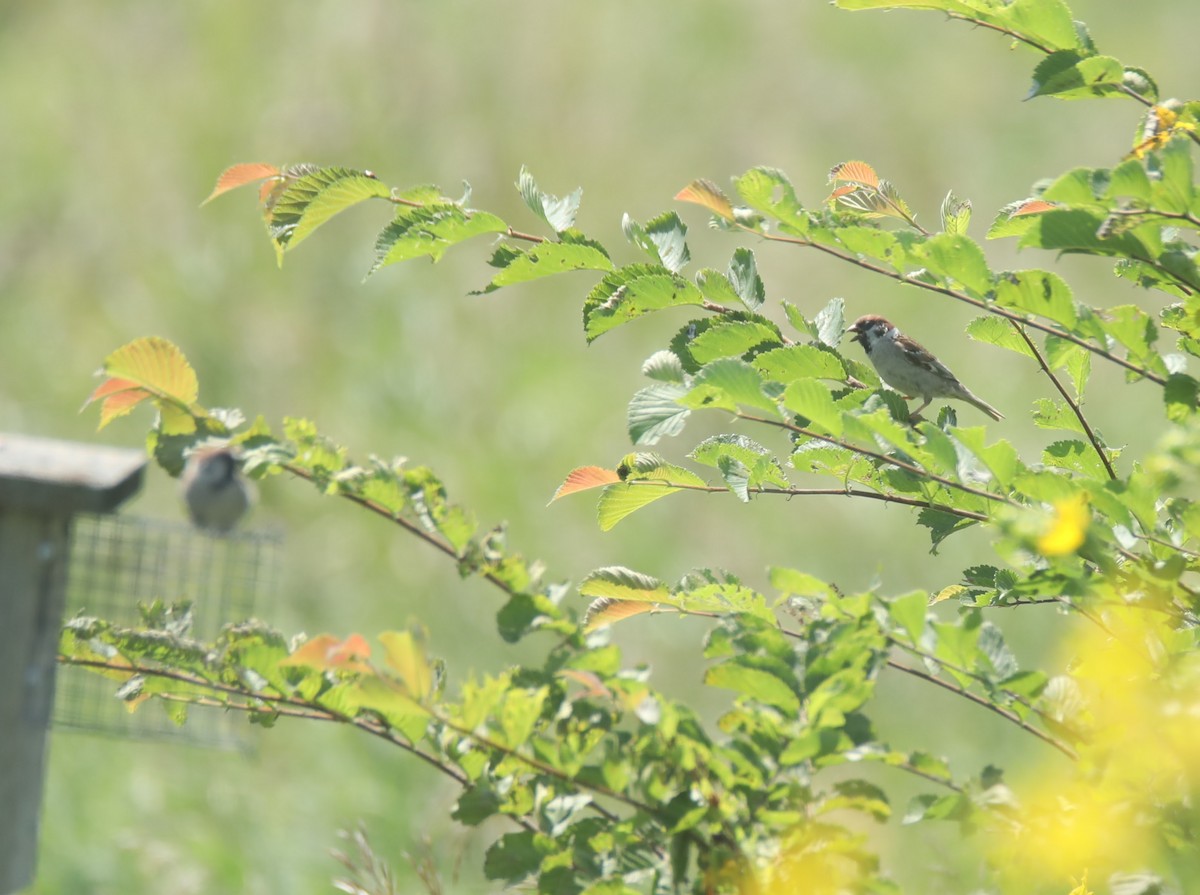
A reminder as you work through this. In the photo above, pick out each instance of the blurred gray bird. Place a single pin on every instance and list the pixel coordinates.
(216, 494)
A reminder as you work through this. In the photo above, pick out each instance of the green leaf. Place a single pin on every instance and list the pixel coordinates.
(664, 366)
(654, 413)
(558, 213)
(812, 399)
(743, 276)
(618, 501)
(909, 613)
(1037, 292)
(799, 362)
(514, 856)
(958, 258)
(956, 214)
(1076, 359)
(1068, 74)
(756, 683)
(768, 190)
(998, 331)
(716, 287)
(1074, 456)
(1049, 414)
(429, 231)
(663, 238)
(311, 200)
(831, 322)
(543, 260)
(734, 338)
(1181, 395)
(1047, 23)
(726, 384)
(629, 292)
(620, 583)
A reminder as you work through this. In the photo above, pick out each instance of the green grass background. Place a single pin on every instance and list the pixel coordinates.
(115, 119)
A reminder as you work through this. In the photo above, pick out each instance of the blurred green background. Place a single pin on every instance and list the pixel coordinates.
(116, 118)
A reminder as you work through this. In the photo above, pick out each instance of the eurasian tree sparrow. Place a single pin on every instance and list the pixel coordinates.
(216, 494)
(909, 368)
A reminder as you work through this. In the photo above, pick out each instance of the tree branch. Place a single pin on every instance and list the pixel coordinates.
(1075, 408)
(963, 297)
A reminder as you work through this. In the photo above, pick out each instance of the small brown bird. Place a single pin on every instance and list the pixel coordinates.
(910, 369)
(216, 495)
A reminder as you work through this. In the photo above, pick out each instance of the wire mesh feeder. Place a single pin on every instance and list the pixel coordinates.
(117, 562)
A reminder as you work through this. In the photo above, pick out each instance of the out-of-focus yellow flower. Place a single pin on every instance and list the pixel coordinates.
(1068, 527)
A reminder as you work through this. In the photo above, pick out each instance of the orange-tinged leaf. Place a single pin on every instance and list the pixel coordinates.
(326, 653)
(149, 368)
(590, 681)
(583, 478)
(239, 175)
(706, 193)
(854, 172)
(1033, 206)
(406, 656)
(157, 366)
(606, 610)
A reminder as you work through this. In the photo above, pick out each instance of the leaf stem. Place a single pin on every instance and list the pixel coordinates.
(883, 458)
(990, 706)
(963, 297)
(1075, 408)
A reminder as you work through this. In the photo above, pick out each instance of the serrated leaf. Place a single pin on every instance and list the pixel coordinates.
(619, 500)
(149, 368)
(726, 384)
(405, 655)
(998, 331)
(1049, 414)
(1017, 217)
(855, 172)
(716, 287)
(956, 214)
(543, 260)
(799, 362)
(757, 683)
(583, 478)
(428, 231)
(1068, 74)
(655, 413)
(663, 238)
(1037, 292)
(769, 191)
(830, 322)
(311, 200)
(958, 258)
(709, 195)
(607, 611)
(664, 366)
(811, 398)
(239, 175)
(630, 292)
(743, 276)
(1076, 359)
(733, 338)
(558, 213)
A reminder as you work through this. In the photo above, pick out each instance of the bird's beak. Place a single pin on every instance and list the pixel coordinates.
(852, 328)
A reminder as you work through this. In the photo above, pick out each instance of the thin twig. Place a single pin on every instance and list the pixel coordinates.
(963, 297)
(1075, 408)
(991, 706)
(883, 458)
(819, 492)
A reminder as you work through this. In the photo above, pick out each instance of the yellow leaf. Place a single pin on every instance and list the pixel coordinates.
(708, 194)
(406, 656)
(1068, 528)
